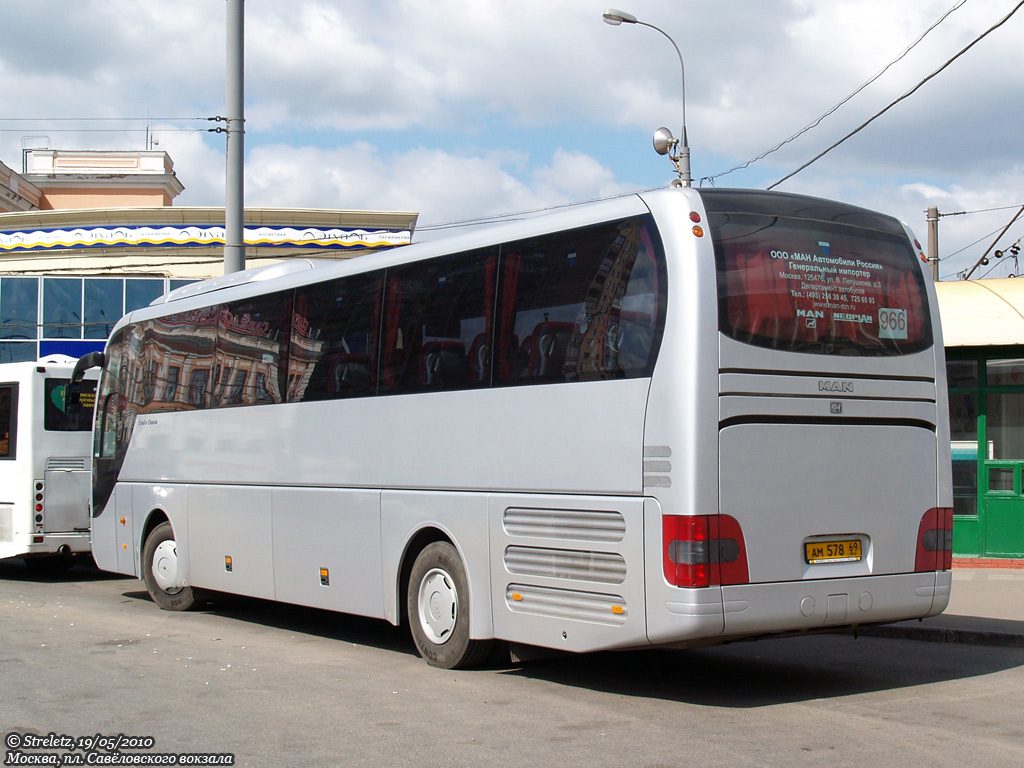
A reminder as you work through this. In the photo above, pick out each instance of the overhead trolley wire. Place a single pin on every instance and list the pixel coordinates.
(905, 96)
(817, 122)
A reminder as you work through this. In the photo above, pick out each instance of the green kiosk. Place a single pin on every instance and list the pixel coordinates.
(983, 332)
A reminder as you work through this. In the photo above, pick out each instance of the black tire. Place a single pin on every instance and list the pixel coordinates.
(159, 557)
(438, 603)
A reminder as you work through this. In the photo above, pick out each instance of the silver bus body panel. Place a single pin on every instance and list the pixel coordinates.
(346, 485)
(565, 570)
(790, 483)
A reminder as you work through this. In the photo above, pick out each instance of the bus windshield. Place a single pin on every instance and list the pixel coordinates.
(804, 285)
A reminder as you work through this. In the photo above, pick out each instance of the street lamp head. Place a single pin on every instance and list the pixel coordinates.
(615, 17)
(678, 150)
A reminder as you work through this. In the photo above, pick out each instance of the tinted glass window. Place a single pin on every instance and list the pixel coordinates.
(140, 292)
(19, 307)
(18, 351)
(335, 326)
(8, 415)
(62, 308)
(104, 302)
(61, 416)
(581, 305)
(814, 286)
(437, 324)
(250, 338)
(1008, 372)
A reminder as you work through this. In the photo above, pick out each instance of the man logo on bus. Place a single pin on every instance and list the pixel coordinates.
(825, 385)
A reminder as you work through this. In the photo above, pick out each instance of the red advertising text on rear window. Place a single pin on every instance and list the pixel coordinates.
(818, 287)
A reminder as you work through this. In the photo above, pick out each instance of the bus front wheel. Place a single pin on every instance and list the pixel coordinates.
(438, 603)
(160, 571)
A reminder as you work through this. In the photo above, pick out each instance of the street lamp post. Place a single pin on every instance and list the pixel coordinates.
(682, 163)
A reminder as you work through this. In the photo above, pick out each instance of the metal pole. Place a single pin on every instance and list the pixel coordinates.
(234, 205)
(933, 241)
(684, 144)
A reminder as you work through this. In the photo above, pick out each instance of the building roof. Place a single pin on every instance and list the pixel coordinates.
(977, 313)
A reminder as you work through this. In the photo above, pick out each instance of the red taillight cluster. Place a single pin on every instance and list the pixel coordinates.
(935, 541)
(37, 505)
(703, 550)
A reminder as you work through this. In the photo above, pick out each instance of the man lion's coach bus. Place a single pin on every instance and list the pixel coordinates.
(45, 440)
(674, 418)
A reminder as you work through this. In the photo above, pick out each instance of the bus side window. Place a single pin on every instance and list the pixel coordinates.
(333, 352)
(252, 347)
(107, 433)
(580, 305)
(8, 416)
(438, 324)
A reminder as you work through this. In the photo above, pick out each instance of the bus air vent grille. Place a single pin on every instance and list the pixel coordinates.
(603, 567)
(567, 604)
(579, 525)
(68, 464)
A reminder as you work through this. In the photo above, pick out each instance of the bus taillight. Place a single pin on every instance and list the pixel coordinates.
(935, 541)
(703, 550)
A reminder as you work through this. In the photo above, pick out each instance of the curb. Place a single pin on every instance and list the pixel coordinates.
(988, 562)
(943, 635)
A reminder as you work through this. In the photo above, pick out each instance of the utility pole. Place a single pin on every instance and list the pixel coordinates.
(234, 205)
(933, 241)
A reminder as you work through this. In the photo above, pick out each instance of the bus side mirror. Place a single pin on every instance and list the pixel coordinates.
(91, 360)
(73, 395)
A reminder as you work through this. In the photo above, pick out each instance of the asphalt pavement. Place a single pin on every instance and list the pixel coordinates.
(986, 607)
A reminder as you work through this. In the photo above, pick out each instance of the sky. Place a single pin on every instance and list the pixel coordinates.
(463, 109)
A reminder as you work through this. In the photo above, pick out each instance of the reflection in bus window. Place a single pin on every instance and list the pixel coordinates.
(579, 305)
(251, 335)
(438, 313)
(333, 347)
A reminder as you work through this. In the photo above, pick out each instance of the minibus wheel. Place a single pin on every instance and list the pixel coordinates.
(438, 603)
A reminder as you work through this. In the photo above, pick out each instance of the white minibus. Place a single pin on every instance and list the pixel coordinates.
(45, 467)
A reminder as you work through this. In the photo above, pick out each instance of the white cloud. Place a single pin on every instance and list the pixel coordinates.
(460, 109)
(440, 186)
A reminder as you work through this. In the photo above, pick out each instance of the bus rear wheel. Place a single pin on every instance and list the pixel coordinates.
(160, 571)
(438, 603)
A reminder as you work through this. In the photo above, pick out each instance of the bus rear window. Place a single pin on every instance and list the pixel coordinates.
(61, 416)
(801, 285)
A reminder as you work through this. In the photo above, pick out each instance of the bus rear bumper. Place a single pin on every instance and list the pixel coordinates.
(757, 609)
(707, 616)
(45, 544)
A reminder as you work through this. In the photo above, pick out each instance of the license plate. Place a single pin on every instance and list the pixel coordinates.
(845, 551)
